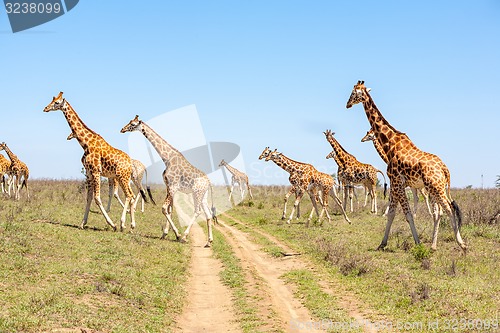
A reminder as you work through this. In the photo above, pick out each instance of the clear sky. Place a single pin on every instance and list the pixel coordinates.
(261, 73)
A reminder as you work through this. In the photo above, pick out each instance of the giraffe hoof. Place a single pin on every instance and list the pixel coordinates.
(182, 239)
(209, 244)
(381, 247)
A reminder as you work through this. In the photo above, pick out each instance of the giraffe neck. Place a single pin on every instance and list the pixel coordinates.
(233, 171)
(83, 134)
(12, 156)
(342, 157)
(385, 133)
(287, 164)
(380, 150)
(164, 149)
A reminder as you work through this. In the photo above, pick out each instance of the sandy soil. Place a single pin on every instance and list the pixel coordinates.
(209, 307)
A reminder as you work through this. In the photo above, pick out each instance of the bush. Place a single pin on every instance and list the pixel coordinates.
(421, 252)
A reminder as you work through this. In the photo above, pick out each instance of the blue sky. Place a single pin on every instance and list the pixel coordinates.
(261, 73)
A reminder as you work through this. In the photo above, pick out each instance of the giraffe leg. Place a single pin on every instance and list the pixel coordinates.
(374, 200)
(295, 205)
(283, 216)
(199, 200)
(242, 191)
(426, 198)
(27, 189)
(324, 204)
(367, 193)
(415, 201)
(90, 197)
(249, 191)
(167, 209)
(208, 217)
(96, 186)
(115, 192)
(111, 190)
(129, 202)
(314, 202)
(231, 191)
(333, 194)
(396, 195)
(454, 215)
(436, 216)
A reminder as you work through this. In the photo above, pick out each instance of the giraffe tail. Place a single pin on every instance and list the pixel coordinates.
(385, 183)
(150, 195)
(457, 212)
(143, 195)
(148, 188)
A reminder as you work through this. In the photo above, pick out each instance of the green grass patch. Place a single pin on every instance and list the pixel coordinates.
(321, 304)
(233, 276)
(404, 283)
(55, 276)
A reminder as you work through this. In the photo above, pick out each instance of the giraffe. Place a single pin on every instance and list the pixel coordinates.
(179, 176)
(370, 136)
(355, 172)
(343, 182)
(407, 166)
(18, 170)
(99, 158)
(311, 180)
(138, 171)
(4, 172)
(294, 189)
(239, 178)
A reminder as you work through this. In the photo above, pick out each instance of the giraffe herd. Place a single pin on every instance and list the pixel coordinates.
(407, 166)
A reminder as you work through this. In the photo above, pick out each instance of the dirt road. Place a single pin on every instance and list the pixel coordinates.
(209, 304)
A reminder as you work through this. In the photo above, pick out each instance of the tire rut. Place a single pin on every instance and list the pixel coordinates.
(346, 300)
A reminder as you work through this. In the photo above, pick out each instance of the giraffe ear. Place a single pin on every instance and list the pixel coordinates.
(368, 89)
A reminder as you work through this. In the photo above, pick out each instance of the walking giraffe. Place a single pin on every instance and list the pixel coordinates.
(4, 172)
(343, 183)
(179, 175)
(312, 181)
(99, 158)
(407, 166)
(138, 171)
(355, 172)
(18, 170)
(370, 136)
(294, 189)
(239, 178)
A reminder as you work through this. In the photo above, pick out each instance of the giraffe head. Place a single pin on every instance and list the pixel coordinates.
(331, 154)
(56, 104)
(329, 134)
(265, 153)
(133, 125)
(370, 136)
(71, 136)
(222, 163)
(275, 155)
(359, 94)
(3, 145)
